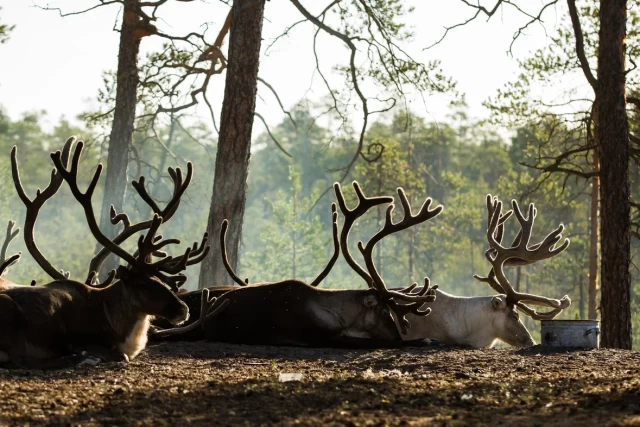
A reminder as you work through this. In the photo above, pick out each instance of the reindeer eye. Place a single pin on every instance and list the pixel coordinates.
(385, 311)
(515, 315)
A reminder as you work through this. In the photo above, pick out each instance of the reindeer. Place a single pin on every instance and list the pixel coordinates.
(292, 312)
(51, 326)
(480, 321)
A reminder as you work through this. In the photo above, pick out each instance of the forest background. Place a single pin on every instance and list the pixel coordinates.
(287, 230)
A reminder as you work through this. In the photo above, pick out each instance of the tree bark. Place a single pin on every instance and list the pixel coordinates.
(234, 142)
(123, 123)
(518, 277)
(593, 242)
(613, 150)
(582, 302)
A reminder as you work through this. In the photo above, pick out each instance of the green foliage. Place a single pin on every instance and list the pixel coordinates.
(456, 164)
(5, 31)
(290, 244)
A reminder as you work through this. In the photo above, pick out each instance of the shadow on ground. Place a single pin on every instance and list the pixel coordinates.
(219, 384)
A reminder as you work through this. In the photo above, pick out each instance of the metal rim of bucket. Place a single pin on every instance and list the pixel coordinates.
(570, 321)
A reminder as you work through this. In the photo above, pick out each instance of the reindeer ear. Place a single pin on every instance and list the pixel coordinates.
(123, 272)
(370, 301)
(498, 303)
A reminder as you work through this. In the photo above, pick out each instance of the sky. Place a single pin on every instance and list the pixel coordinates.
(55, 63)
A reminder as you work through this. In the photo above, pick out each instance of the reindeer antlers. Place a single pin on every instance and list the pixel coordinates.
(33, 206)
(5, 262)
(208, 309)
(336, 248)
(401, 310)
(167, 268)
(520, 253)
(389, 228)
(350, 217)
(180, 186)
(225, 260)
(373, 278)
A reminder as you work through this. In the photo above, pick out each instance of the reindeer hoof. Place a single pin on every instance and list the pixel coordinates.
(118, 357)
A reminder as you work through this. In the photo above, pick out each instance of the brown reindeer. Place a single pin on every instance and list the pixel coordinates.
(292, 312)
(52, 325)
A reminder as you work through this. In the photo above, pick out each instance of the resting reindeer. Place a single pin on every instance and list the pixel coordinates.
(480, 321)
(46, 326)
(294, 313)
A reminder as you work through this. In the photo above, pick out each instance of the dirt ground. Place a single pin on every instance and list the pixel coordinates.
(218, 384)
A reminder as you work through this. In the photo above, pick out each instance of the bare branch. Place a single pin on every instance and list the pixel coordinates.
(79, 12)
(261, 80)
(273, 138)
(577, 30)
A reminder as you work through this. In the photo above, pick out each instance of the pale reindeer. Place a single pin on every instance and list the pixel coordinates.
(292, 312)
(481, 321)
(53, 325)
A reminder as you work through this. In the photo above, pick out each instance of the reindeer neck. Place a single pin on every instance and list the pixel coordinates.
(119, 309)
(127, 325)
(336, 300)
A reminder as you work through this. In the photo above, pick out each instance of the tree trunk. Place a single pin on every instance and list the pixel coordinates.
(582, 302)
(472, 251)
(613, 150)
(412, 231)
(518, 277)
(379, 222)
(294, 232)
(593, 243)
(234, 142)
(122, 127)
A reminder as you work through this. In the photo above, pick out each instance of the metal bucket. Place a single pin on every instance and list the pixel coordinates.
(571, 333)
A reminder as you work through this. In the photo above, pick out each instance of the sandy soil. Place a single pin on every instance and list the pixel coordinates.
(217, 384)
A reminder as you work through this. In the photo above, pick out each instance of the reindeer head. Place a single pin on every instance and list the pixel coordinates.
(151, 286)
(374, 317)
(506, 323)
(151, 296)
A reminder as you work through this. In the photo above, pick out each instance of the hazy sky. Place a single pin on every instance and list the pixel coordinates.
(55, 63)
